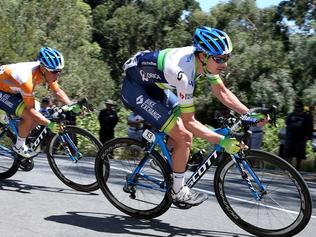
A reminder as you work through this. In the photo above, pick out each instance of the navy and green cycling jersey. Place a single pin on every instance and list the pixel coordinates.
(150, 79)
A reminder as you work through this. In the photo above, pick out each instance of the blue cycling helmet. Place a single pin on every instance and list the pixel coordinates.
(50, 58)
(212, 41)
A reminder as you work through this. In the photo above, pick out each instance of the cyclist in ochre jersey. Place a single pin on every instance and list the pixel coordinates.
(17, 85)
(146, 90)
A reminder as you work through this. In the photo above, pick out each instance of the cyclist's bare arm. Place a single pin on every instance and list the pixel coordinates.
(228, 98)
(35, 115)
(198, 129)
(62, 96)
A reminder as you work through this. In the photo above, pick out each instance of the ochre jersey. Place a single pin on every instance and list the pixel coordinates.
(23, 78)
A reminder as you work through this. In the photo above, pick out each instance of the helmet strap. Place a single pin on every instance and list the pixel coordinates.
(205, 73)
(204, 63)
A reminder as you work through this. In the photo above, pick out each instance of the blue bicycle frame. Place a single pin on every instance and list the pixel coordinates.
(64, 138)
(11, 125)
(240, 163)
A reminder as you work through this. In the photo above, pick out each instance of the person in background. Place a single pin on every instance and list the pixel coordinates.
(299, 129)
(45, 105)
(256, 137)
(281, 137)
(135, 124)
(108, 119)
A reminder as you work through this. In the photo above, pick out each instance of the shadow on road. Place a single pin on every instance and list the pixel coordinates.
(19, 186)
(119, 224)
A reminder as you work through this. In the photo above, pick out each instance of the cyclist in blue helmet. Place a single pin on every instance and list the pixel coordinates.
(17, 84)
(163, 82)
(51, 59)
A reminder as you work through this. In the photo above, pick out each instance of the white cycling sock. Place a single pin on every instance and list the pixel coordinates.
(178, 181)
(20, 141)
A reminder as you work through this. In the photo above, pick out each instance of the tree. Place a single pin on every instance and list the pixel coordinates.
(124, 29)
(303, 12)
(33, 24)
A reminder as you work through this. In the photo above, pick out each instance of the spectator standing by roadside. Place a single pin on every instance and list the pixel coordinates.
(45, 105)
(108, 119)
(282, 135)
(135, 126)
(256, 137)
(299, 128)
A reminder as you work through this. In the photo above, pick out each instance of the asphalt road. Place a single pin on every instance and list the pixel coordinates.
(36, 203)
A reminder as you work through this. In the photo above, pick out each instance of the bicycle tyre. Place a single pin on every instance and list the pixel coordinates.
(113, 165)
(282, 195)
(79, 176)
(8, 165)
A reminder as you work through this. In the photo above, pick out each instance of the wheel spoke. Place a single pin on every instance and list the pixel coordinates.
(285, 205)
(75, 165)
(144, 195)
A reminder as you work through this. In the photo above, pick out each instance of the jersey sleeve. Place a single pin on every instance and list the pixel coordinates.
(213, 79)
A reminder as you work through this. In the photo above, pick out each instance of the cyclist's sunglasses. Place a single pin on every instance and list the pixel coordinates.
(220, 60)
(53, 71)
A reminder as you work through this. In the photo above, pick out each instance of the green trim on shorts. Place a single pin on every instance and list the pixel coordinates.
(161, 85)
(161, 59)
(189, 108)
(214, 79)
(19, 109)
(172, 120)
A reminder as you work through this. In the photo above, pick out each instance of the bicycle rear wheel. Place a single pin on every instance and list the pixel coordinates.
(77, 170)
(284, 210)
(8, 164)
(144, 196)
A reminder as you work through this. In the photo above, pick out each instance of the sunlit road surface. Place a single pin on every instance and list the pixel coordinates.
(36, 203)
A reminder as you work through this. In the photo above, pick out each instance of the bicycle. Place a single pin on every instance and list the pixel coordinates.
(70, 153)
(260, 192)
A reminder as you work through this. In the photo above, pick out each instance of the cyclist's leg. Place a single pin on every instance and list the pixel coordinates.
(182, 141)
(14, 105)
(159, 107)
(26, 124)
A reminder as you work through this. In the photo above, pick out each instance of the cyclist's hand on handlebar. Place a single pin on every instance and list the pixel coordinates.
(54, 127)
(231, 145)
(264, 121)
(75, 108)
(256, 118)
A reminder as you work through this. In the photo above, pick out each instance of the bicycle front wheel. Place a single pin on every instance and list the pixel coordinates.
(285, 206)
(9, 165)
(71, 156)
(134, 183)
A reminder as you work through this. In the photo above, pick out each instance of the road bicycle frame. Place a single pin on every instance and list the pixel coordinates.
(158, 139)
(66, 141)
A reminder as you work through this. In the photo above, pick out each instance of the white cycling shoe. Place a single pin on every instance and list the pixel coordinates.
(188, 196)
(24, 151)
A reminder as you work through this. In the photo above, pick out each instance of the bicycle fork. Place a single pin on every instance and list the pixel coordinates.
(244, 168)
(66, 141)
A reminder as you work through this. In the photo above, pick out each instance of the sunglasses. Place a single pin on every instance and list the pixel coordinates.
(220, 60)
(53, 71)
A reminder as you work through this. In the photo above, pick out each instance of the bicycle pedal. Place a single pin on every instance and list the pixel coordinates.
(26, 164)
